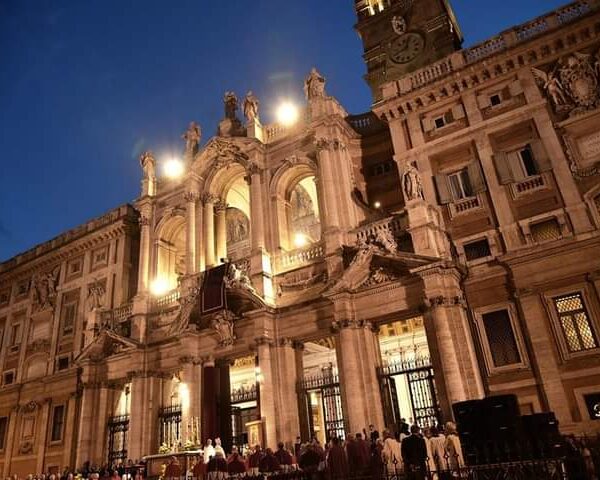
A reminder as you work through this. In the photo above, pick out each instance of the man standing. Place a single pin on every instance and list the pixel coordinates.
(414, 454)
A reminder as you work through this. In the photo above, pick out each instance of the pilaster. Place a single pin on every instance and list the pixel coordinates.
(268, 407)
(221, 230)
(191, 199)
(288, 374)
(209, 230)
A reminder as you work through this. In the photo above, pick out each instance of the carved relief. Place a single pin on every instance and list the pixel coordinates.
(292, 283)
(226, 153)
(238, 278)
(222, 323)
(572, 83)
(44, 290)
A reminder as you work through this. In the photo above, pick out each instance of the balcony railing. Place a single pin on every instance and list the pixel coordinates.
(299, 257)
(395, 225)
(166, 302)
(244, 394)
(529, 185)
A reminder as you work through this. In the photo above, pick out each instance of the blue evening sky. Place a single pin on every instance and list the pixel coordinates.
(86, 85)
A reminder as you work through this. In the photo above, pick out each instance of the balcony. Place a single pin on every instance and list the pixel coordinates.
(299, 257)
(465, 206)
(169, 301)
(528, 186)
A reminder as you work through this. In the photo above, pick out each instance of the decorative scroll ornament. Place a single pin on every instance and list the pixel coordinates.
(572, 84)
(44, 290)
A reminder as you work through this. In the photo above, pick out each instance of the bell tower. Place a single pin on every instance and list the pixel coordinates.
(401, 36)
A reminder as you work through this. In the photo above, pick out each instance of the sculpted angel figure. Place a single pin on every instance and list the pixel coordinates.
(96, 293)
(192, 138)
(251, 107)
(314, 85)
(44, 289)
(550, 83)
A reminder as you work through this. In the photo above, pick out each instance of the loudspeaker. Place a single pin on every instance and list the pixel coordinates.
(502, 411)
(542, 434)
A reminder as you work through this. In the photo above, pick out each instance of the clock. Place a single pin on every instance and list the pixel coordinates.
(406, 48)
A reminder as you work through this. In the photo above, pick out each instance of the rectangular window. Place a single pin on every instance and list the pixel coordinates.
(3, 431)
(478, 249)
(8, 378)
(575, 323)
(501, 338)
(15, 334)
(528, 162)
(439, 122)
(69, 315)
(495, 99)
(460, 184)
(62, 363)
(545, 231)
(58, 421)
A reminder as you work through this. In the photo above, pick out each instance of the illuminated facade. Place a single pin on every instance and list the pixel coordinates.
(341, 271)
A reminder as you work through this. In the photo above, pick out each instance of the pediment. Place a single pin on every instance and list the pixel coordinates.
(105, 344)
(369, 266)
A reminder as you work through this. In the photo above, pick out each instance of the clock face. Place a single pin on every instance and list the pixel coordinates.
(406, 48)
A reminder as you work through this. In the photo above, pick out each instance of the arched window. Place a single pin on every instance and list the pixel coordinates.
(304, 226)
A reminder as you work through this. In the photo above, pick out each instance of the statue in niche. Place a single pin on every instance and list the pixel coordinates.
(251, 107)
(44, 289)
(231, 105)
(148, 164)
(411, 183)
(96, 292)
(314, 85)
(192, 138)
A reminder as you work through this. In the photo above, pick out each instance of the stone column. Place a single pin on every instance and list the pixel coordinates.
(102, 412)
(498, 193)
(329, 207)
(221, 230)
(209, 230)
(191, 266)
(41, 454)
(358, 358)
(449, 336)
(88, 406)
(257, 212)
(145, 246)
(288, 420)
(268, 407)
(200, 250)
(135, 441)
(70, 442)
(10, 441)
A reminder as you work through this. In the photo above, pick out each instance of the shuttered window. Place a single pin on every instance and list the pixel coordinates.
(464, 183)
(501, 338)
(524, 162)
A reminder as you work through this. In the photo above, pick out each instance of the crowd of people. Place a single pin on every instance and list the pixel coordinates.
(433, 454)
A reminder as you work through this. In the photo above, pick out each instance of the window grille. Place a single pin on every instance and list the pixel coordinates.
(118, 430)
(478, 249)
(501, 338)
(575, 323)
(545, 231)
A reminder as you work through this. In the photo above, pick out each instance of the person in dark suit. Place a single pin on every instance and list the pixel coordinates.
(414, 454)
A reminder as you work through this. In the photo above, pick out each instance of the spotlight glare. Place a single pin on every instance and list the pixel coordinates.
(300, 240)
(287, 114)
(159, 286)
(173, 168)
(377, 204)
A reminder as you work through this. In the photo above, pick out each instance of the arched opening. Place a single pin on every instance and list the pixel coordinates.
(170, 254)
(237, 199)
(298, 209)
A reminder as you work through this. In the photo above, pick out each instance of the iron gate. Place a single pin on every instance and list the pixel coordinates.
(327, 388)
(421, 386)
(169, 421)
(118, 429)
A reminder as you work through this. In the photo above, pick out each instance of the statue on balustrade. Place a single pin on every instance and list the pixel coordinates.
(314, 85)
(148, 165)
(251, 107)
(192, 138)
(231, 105)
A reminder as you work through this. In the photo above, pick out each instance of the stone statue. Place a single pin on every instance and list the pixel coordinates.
(192, 138)
(222, 323)
(251, 107)
(411, 183)
(238, 278)
(552, 86)
(314, 85)
(231, 105)
(44, 289)
(148, 165)
(96, 291)
(385, 237)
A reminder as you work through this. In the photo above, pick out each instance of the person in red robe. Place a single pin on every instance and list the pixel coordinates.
(284, 457)
(337, 463)
(235, 463)
(254, 460)
(269, 463)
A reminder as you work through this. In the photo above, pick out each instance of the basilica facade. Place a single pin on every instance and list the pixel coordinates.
(340, 271)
